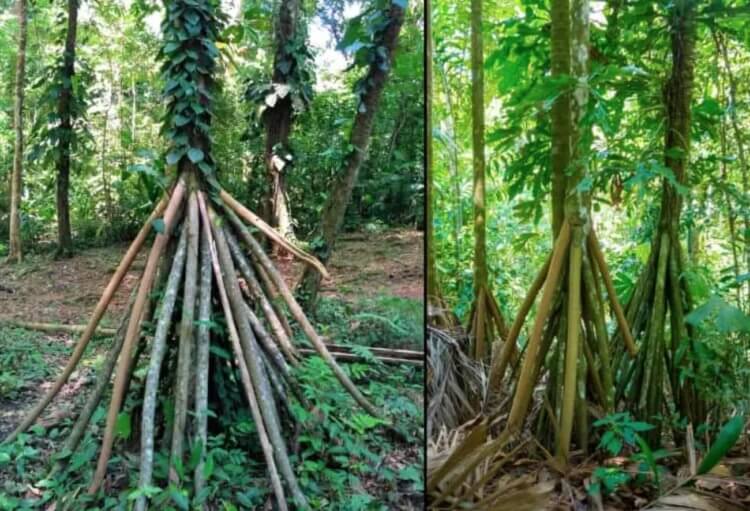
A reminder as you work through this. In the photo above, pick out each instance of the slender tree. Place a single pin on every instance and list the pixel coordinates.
(65, 111)
(15, 252)
(569, 336)
(486, 320)
(438, 313)
(721, 45)
(661, 298)
(334, 210)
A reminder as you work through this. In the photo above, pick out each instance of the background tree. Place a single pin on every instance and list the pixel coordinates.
(66, 112)
(15, 251)
(291, 92)
(661, 292)
(486, 322)
(383, 24)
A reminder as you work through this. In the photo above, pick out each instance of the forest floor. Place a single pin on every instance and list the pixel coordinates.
(369, 272)
(619, 473)
(66, 291)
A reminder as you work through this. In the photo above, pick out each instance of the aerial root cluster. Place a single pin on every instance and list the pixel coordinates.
(579, 362)
(215, 263)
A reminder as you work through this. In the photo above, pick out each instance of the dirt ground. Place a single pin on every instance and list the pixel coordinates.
(66, 291)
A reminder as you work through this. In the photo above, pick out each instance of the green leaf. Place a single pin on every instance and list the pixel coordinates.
(146, 491)
(649, 456)
(181, 120)
(205, 167)
(180, 498)
(727, 438)
(174, 156)
(122, 427)
(195, 155)
(170, 47)
(158, 225)
(220, 352)
(640, 426)
(208, 466)
(195, 455)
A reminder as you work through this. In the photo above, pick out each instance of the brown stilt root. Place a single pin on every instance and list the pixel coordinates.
(101, 308)
(206, 264)
(132, 334)
(185, 279)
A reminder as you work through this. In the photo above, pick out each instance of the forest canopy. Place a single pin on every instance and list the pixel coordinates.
(119, 157)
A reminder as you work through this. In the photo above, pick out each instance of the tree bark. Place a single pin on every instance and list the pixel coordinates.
(560, 127)
(334, 210)
(486, 319)
(278, 122)
(15, 252)
(477, 137)
(65, 105)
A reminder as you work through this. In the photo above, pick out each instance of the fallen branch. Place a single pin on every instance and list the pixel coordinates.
(55, 327)
(342, 355)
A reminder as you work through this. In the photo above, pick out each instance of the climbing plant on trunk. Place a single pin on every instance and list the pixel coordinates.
(383, 22)
(66, 112)
(196, 278)
(15, 252)
(286, 96)
(486, 322)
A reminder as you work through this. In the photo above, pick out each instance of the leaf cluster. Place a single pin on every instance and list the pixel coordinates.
(191, 29)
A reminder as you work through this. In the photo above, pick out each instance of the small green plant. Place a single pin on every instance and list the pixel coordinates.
(621, 432)
(22, 359)
(384, 321)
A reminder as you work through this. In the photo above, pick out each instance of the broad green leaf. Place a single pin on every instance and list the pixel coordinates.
(158, 225)
(727, 438)
(195, 154)
(122, 427)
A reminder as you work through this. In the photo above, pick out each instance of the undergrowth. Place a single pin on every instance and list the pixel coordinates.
(344, 461)
(385, 321)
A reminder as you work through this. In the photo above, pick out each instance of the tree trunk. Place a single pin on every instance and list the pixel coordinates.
(103, 160)
(485, 320)
(722, 47)
(15, 252)
(560, 127)
(334, 210)
(477, 137)
(65, 105)
(456, 180)
(278, 122)
(663, 298)
(571, 296)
